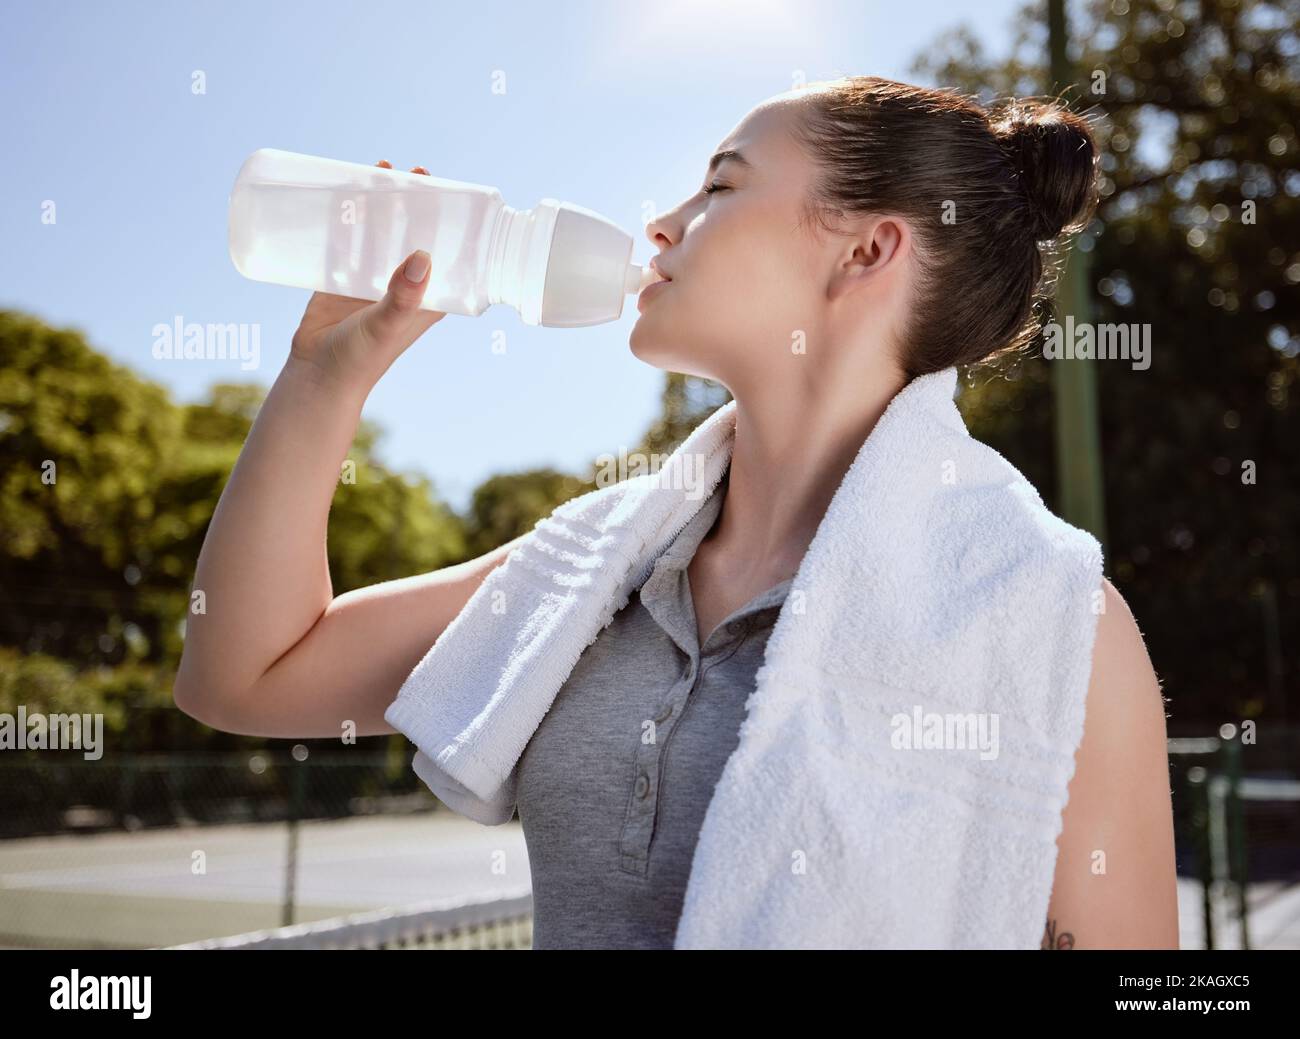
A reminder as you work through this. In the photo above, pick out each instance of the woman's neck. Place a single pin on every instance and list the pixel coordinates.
(792, 450)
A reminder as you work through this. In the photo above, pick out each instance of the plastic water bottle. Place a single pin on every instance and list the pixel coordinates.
(343, 227)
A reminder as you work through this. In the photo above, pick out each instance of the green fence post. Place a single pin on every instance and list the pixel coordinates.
(1237, 830)
(297, 781)
(1200, 819)
(1074, 381)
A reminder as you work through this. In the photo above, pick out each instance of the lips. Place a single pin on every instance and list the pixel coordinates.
(650, 292)
(654, 266)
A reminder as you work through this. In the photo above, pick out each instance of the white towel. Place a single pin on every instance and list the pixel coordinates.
(938, 590)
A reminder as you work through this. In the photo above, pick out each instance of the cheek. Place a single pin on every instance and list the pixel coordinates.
(759, 292)
(728, 259)
(743, 286)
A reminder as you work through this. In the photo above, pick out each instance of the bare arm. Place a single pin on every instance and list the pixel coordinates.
(1115, 880)
(269, 650)
(348, 666)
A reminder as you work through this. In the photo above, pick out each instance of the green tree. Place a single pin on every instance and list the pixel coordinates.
(1196, 236)
(108, 488)
(510, 504)
(685, 402)
(85, 445)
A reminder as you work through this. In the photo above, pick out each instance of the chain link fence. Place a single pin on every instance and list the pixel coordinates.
(59, 792)
(1236, 798)
(139, 850)
(500, 923)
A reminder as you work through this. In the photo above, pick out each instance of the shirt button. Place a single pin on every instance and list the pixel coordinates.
(642, 785)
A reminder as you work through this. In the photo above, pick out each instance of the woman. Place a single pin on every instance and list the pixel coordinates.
(891, 232)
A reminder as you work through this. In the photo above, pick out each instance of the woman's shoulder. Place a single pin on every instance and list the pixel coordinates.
(1119, 802)
(1122, 669)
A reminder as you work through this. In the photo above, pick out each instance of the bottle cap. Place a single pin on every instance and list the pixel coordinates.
(589, 270)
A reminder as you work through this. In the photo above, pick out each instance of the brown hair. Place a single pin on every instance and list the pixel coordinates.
(1021, 175)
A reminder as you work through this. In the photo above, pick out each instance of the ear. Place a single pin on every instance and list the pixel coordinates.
(877, 247)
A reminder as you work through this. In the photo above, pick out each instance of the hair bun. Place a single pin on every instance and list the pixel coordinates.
(1055, 155)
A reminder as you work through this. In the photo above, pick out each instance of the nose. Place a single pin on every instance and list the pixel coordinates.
(662, 230)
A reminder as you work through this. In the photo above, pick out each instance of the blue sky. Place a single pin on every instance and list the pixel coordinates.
(612, 106)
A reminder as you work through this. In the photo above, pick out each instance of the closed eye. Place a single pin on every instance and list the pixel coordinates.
(715, 187)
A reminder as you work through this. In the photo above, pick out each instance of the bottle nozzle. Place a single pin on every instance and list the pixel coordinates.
(637, 278)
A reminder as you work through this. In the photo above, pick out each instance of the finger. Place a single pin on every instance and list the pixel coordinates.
(392, 314)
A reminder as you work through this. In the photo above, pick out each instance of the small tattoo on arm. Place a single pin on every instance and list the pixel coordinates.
(1052, 940)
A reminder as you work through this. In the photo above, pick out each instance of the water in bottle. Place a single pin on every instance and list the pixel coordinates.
(344, 227)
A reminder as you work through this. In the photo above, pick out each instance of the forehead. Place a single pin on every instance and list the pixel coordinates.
(763, 135)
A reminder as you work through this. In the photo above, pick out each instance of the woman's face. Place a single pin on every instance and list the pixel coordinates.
(744, 272)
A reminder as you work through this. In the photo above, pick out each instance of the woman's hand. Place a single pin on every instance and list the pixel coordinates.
(354, 341)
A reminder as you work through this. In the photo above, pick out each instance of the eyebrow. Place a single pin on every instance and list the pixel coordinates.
(728, 153)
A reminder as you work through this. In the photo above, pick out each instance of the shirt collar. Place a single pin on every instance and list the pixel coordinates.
(678, 555)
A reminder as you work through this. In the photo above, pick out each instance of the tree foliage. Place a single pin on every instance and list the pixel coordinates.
(108, 488)
(1197, 236)
(108, 485)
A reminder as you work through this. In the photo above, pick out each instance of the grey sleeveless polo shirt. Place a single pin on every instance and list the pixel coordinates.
(613, 785)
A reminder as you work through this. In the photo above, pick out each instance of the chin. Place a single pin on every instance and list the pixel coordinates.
(648, 347)
(665, 351)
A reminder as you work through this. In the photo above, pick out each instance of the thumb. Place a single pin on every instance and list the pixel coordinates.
(392, 314)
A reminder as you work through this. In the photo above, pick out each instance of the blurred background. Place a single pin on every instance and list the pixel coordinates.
(125, 127)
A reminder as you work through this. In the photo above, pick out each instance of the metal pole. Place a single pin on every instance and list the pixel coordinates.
(1236, 811)
(1074, 381)
(1198, 786)
(296, 781)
